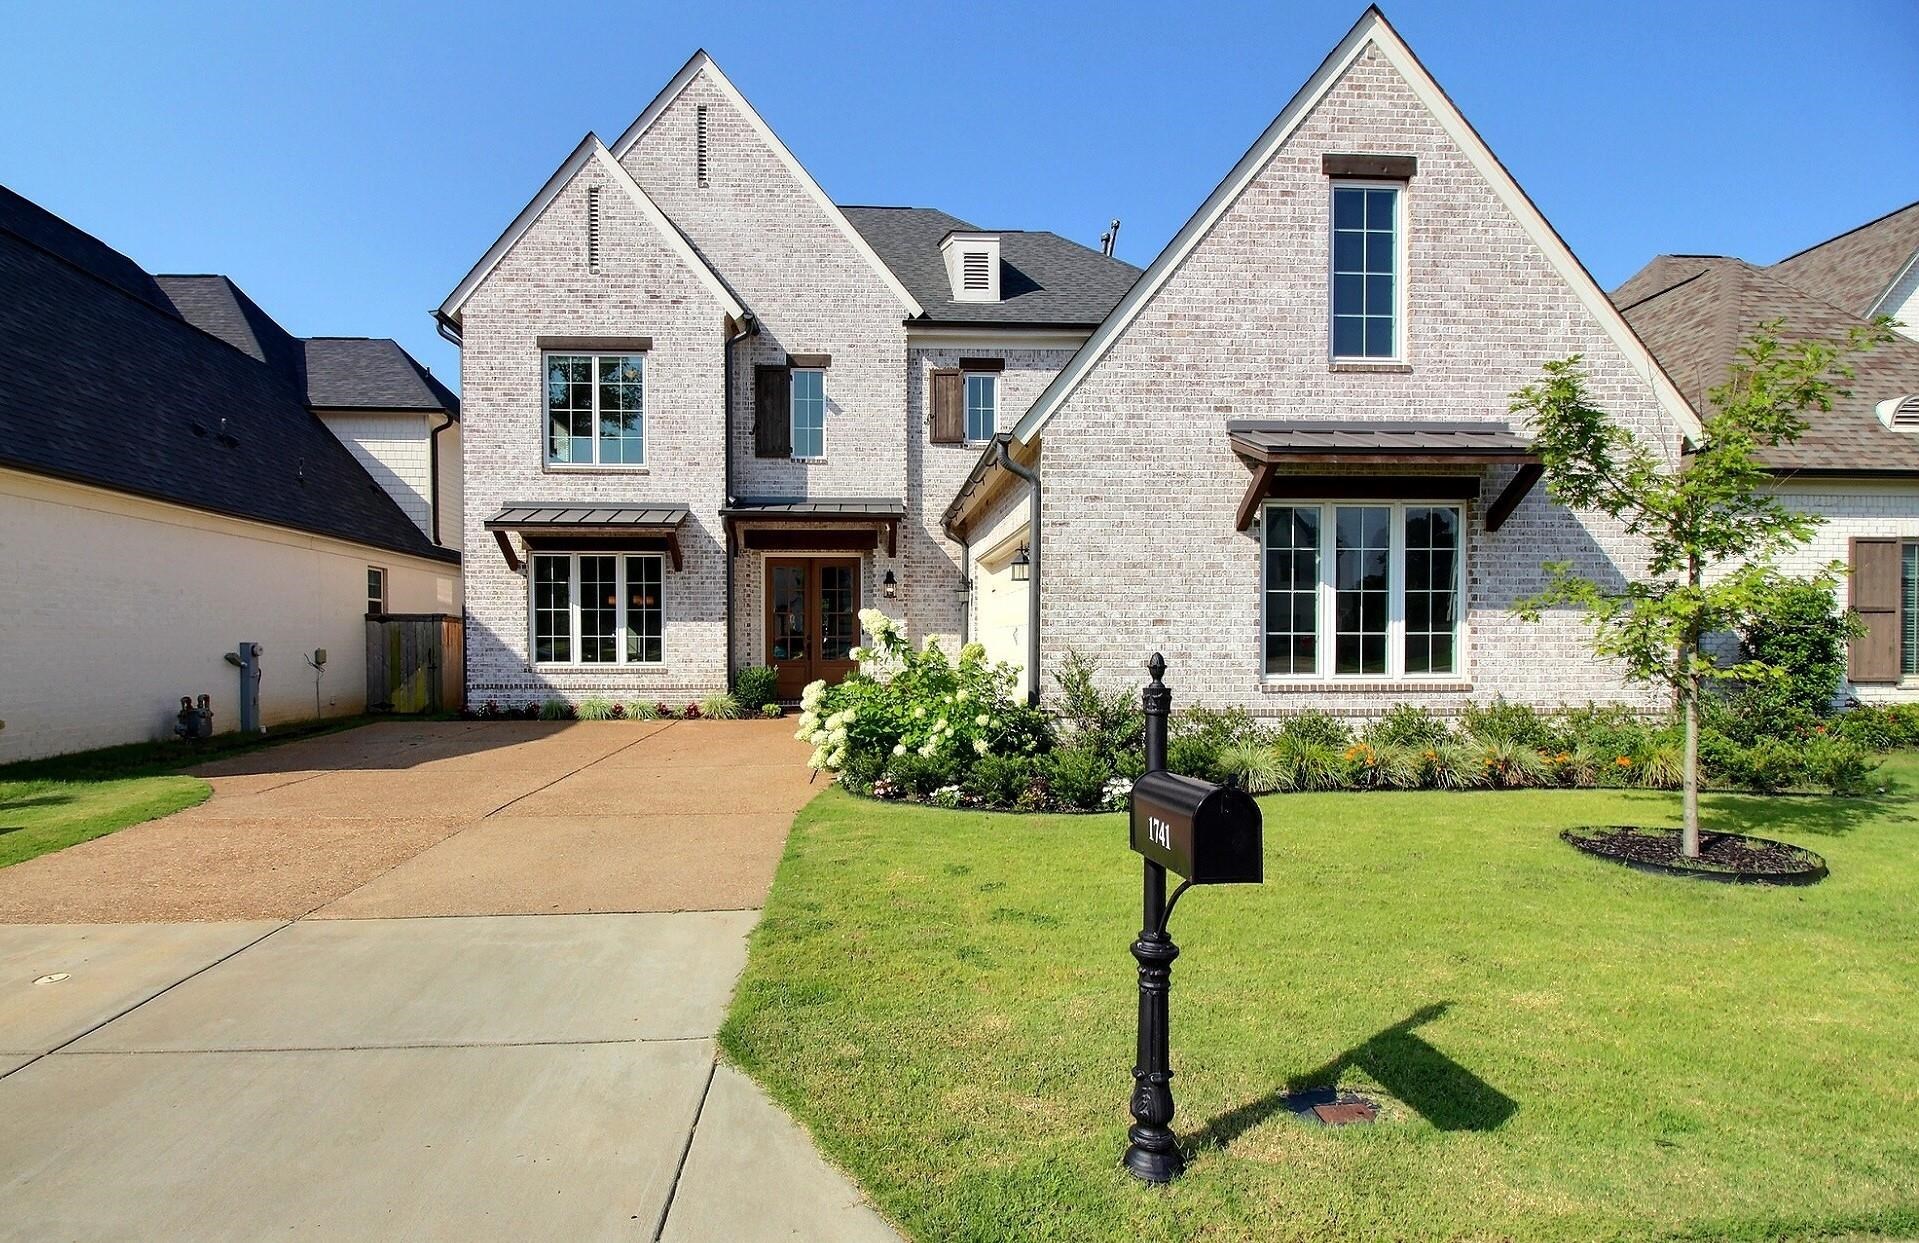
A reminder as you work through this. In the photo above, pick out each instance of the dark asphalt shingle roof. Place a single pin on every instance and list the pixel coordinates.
(102, 382)
(1318, 438)
(1694, 311)
(370, 373)
(214, 304)
(1852, 270)
(1044, 278)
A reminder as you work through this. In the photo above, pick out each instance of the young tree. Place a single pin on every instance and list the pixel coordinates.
(1711, 511)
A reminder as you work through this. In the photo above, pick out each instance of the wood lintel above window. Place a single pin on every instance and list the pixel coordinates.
(982, 364)
(1382, 167)
(809, 362)
(599, 345)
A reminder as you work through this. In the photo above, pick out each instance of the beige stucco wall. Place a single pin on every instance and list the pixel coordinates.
(112, 607)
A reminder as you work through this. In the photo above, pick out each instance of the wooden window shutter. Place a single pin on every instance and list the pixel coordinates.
(1875, 592)
(949, 408)
(772, 412)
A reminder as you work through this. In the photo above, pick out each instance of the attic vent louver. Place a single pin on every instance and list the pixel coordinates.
(699, 143)
(593, 228)
(1901, 414)
(972, 265)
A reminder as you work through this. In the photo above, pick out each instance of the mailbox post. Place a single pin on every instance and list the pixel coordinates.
(1210, 835)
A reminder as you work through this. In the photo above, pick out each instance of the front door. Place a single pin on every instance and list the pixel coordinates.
(812, 619)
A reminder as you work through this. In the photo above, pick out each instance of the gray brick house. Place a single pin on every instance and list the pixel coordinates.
(1281, 455)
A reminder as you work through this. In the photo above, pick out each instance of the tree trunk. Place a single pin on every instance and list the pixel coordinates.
(1689, 708)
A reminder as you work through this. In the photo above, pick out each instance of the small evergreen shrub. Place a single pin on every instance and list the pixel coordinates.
(1500, 721)
(1318, 727)
(918, 774)
(999, 780)
(1408, 725)
(1801, 632)
(1108, 721)
(1077, 777)
(772, 712)
(757, 684)
(1194, 756)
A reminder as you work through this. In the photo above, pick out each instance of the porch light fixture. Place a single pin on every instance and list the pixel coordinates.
(1022, 565)
(890, 585)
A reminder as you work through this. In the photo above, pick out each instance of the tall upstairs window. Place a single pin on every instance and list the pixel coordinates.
(596, 409)
(809, 412)
(1366, 271)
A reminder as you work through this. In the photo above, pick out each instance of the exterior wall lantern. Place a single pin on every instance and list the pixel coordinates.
(890, 585)
(1022, 565)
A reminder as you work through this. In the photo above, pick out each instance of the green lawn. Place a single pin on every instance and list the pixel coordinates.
(50, 804)
(1568, 1049)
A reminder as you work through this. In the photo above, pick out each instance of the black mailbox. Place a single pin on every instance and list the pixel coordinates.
(1209, 834)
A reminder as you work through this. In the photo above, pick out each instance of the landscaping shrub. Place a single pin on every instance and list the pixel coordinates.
(1195, 756)
(1306, 763)
(920, 774)
(999, 780)
(595, 708)
(1108, 721)
(902, 702)
(1408, 725)
(720, 707)
(663, 711)
(1511, 764)
(1453, 765)
(1837, 764)
(772, 712)
(1502, 722)
(1251, 764)
(1318, 727)
(1881, 727)
(756, 685)
(556, 710)
(1077, 777)
(640, 710)
(691, 712)
(1802, 633)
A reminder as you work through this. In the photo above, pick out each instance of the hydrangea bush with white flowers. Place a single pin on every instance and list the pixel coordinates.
(944, 712)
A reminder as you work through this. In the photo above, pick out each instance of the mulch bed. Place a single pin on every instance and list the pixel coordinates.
(1729, 857)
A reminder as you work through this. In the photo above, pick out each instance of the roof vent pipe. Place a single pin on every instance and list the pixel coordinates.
(1110, 238)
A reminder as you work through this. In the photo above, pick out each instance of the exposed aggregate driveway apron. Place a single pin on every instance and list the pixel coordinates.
(315, 1005)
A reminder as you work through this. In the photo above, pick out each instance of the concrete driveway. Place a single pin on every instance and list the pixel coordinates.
(316, 1004)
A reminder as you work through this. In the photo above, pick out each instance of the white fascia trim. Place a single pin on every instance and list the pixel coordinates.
(1881, 303)
(701, 62)
(590, 148)
(1372, 30)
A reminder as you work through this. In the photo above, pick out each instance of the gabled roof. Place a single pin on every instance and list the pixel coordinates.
(159, 408)
(1694, 312)
(371, 373)
(213, 303)
(1855, 270)
(592, 150)
(700, 63)
(1372, 30)
(1044, 279)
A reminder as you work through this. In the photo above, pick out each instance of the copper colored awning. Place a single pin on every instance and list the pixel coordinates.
(655, 527)
(1267, 446)
(842, 523)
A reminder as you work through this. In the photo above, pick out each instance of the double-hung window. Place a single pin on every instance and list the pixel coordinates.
(1367, 281)
(597, 609)
(809, 412)
(596, 409)
(982, 405)
(1364, 589)
(375, 589)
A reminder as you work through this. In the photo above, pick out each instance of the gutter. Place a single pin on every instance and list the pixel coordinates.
(1033, 556)
(749, 326)
(448, 328)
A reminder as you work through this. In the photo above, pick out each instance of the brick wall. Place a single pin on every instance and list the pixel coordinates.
(543, 288)
(1141, 488)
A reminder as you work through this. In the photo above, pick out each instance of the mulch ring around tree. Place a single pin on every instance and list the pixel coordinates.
(1730, 857)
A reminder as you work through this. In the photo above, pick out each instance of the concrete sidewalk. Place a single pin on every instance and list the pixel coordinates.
(418, 1064)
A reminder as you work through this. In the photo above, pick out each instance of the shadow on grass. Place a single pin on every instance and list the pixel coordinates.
(1781, 816)
(1428, 1082)
(37, 800)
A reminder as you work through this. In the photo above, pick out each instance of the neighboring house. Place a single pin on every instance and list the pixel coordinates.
(710, 414)
(169, 488)
(1286, 459)
(1857, 467)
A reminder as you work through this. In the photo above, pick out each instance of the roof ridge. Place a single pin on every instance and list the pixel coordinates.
(1879, 219)
(1679, 284)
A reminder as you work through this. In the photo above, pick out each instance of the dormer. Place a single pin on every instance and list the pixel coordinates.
(972, 265)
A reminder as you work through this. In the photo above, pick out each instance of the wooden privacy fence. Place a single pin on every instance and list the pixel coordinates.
(414, 663)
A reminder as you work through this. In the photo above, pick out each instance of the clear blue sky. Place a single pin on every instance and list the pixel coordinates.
(346, 162)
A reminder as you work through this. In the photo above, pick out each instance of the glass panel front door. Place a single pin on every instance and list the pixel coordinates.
(812, 619)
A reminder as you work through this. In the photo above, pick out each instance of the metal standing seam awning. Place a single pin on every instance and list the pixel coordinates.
(655, 527)
(776, 522)
(1267, 446)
